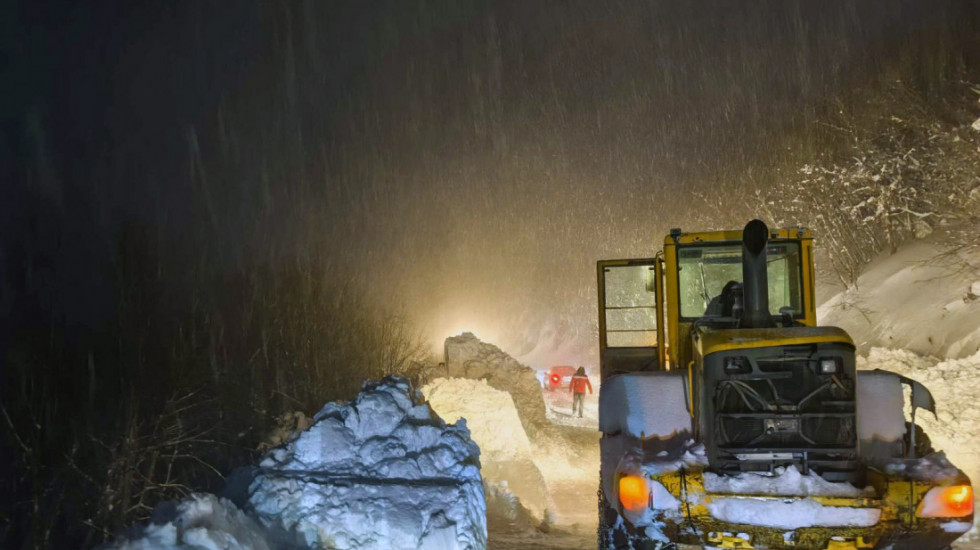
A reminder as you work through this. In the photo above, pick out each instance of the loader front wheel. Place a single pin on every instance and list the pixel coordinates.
(614, 534)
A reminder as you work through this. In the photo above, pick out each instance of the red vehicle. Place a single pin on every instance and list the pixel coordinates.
(559, 377)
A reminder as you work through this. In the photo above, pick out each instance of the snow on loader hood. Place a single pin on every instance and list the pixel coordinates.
(380, 472)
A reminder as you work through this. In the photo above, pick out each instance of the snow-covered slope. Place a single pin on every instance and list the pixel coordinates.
(923, 298)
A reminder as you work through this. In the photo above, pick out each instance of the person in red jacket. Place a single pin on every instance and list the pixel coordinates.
(579, 382)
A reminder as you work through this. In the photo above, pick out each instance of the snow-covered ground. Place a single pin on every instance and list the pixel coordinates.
(201, 521)
(559, 407)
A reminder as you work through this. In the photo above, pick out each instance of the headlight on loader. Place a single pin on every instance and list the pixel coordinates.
(947, 502)
(634, 493)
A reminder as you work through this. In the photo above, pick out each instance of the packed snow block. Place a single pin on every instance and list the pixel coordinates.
(645, 405)
(383, 471)
(880, 415)
(468, 357)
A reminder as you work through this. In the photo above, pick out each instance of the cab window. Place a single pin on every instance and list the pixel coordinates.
(630, 306)
(705, 270)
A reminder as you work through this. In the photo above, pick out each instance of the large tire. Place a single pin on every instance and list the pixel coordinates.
(607, 518)
(614, 535)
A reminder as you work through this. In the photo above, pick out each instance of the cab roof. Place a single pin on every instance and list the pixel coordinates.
(676, 236)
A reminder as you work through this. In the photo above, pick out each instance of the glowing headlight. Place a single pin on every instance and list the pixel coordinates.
(947, 502)
(829, 366)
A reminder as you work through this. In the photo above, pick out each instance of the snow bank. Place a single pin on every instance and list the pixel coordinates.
(786, 481)
(380, 472)
(201, 522)
(919, 299)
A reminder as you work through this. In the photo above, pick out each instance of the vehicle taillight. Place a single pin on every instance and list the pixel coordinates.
(634, 493)
(947, 502)
(555, 378)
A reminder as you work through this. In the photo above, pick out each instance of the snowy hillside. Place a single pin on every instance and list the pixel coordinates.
(923, 298)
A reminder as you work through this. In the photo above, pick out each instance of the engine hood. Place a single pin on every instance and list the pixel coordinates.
(708, 340)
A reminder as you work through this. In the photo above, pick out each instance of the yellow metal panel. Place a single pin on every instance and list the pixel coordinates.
(727, 540)
(856, 544)
(712, 341)
(736, 236)
(662, 343)
(809, 283)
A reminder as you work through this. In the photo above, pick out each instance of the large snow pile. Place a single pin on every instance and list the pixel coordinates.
(201, 522)
(924, 298)
(468, 357)
(380, 472)
(491, 416)
(496, 427)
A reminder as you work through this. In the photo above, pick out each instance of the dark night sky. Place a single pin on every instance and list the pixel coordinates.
(468, 159)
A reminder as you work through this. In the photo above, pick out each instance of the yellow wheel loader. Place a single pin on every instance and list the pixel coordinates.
(756, 431)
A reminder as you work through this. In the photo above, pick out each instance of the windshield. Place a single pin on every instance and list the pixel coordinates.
(705, 270)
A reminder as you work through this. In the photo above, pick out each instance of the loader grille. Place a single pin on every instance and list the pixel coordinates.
(780, 409)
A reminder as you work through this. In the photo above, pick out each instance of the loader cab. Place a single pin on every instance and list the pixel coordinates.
(649, 306)
(700, 267)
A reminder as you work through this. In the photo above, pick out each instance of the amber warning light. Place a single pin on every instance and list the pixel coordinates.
(947, 502)
(634, 493)
(959, 498)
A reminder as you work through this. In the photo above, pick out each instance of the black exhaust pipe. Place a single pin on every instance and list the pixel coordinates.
(755, 277)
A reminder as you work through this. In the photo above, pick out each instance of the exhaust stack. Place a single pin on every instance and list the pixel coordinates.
(755, 277)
